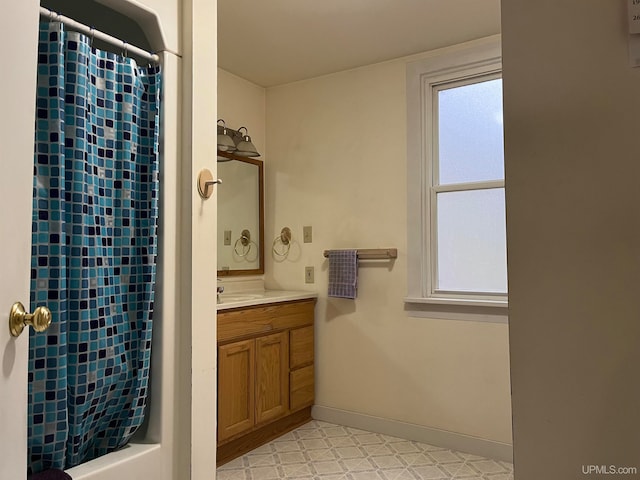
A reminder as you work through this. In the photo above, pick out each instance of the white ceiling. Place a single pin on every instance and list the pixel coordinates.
(272, 42)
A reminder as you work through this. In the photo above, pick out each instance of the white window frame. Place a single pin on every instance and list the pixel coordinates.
(480, 59)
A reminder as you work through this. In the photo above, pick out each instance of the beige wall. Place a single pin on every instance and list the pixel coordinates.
(337, 161)
(242, 104)
(572, 105)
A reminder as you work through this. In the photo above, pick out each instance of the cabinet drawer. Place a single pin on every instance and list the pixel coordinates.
(301, 345)
(302, 388)
(253, 321)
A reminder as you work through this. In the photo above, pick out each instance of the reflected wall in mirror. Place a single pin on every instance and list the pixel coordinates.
(240, 215)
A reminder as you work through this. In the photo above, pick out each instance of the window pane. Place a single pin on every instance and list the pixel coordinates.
(470, 133)
(472, 241)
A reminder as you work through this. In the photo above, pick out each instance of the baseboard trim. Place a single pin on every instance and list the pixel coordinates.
(418, 433)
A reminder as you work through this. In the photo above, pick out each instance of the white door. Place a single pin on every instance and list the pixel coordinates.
(19, 37)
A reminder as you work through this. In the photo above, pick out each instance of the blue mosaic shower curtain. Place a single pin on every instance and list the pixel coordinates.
(94, 245)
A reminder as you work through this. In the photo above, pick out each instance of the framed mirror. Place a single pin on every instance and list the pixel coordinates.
(240, 215)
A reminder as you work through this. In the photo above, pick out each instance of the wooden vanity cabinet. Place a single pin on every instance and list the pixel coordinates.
(265, 374)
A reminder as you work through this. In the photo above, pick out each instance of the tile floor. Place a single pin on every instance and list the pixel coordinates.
(323, 451)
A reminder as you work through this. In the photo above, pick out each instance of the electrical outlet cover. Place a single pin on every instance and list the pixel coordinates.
(308, 275)
(307, 234)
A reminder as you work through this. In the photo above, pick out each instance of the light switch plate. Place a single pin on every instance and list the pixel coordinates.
(227, 237)
(307, 234)
(308, 275)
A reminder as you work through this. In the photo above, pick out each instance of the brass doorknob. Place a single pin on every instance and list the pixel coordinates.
(39, 320)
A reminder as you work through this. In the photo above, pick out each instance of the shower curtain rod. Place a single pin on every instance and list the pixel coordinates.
(93, 33)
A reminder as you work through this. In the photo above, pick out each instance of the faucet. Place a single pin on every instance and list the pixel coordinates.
(219, 290)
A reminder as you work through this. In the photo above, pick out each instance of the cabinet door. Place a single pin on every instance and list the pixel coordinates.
(236, 397)
(272, 376)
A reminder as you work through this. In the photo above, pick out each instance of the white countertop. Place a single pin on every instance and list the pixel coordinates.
(260, 297)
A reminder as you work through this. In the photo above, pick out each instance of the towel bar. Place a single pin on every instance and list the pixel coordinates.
(372, 253)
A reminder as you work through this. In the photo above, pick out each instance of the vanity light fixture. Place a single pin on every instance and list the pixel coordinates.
(225, 142)
(235, 141)
(245, 148)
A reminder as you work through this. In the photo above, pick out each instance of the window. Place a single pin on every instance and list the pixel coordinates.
(457, 234)
(468, 238)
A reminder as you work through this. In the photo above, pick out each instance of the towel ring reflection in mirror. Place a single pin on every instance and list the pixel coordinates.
(284, 239)
(244, 241)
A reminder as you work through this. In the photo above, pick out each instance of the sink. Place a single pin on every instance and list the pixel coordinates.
(239, 297)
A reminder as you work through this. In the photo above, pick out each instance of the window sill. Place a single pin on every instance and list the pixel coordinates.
(473, 310)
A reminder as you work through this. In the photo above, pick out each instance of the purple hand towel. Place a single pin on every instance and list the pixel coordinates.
(50, 475)
(343, 273)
